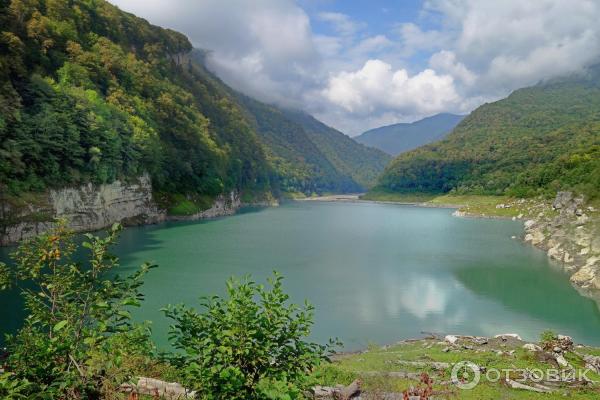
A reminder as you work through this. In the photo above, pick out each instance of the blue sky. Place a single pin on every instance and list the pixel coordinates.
(361, 64)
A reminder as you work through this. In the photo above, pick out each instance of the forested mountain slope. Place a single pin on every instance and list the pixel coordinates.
(536, 141)
(363, 164)
(89, 93)
(398, 138)
(300, 165)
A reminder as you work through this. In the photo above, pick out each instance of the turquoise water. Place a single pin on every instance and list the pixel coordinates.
(375, 273)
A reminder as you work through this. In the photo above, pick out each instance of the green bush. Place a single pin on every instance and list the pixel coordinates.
(250, 345)
(78, 328)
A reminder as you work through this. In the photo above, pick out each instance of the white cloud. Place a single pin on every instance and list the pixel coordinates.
(342, 23)
(377, 87)
(445, 61)
(414, 38)
(456, 55)
(512, 43)
(264, 48)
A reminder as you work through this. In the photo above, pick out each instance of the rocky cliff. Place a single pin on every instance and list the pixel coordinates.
(569, 231)
(92, 207)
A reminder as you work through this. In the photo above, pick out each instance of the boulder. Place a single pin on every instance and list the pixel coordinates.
(560, 359)
(451, 339)
(562, 199)
(535, 237)
(506, 336)
(529, 223)
(532, 347)
(555, 253)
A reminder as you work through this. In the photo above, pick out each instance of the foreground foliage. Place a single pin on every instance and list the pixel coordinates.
(250, 345)
(78, 340)
(78, 328)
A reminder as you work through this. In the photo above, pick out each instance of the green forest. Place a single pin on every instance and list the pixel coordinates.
(89, 93)
(537, 141)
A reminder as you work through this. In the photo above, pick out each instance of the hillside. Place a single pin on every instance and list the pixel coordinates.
(309, 156)
(538, 140)
(363, 164)
(91, 94)
(398, 138)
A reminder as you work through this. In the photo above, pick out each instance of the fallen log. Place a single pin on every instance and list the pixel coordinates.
(535, 388)
(158, 388)
(337, 393)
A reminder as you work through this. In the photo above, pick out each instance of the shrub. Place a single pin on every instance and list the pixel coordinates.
(78, 328)
(250, 345)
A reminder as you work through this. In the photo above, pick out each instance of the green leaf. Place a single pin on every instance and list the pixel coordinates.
(60, 325)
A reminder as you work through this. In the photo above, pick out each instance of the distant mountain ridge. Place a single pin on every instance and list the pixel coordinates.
(537, 141)
(398, 138)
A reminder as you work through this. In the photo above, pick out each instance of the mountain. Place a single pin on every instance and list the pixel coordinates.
(309, 156)
(398, 138)
(360, 163)
(91, 94)
(538, 140)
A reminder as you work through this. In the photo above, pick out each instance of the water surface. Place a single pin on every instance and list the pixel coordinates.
(375, 272)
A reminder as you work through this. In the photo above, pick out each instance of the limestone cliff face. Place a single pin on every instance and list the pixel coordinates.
(92, 207)
(86, 208)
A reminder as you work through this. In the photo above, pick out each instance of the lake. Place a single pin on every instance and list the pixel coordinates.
(376, 273)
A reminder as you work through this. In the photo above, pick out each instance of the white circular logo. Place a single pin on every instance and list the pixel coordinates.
(466, 375)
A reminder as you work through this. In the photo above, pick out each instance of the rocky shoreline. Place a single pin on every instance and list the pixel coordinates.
(568, 231)
(93, 207)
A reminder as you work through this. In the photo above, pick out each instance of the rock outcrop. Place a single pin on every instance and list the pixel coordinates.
(93, 207)
(570, 233)
(86, 208)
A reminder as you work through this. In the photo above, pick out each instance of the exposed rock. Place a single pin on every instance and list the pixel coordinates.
(93, 207)
(506, 336)
(592, 362)
(571, 237)
(532, 347)
(86, 208)
(535, 237)
(560, 359)
(451, 339)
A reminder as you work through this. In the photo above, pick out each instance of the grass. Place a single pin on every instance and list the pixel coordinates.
(182, 205)
(475, 205)
(398, 197)
(346, 368)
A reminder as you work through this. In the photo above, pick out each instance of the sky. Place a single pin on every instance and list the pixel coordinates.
(360, 64)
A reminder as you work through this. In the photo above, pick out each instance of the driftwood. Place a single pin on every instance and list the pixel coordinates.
(534, 388)
(158, 388)
(337, 393)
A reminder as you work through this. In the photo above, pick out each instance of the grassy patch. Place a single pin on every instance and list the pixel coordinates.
(183, 205)
(475, 205)
(398, 197)
(374, 366)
